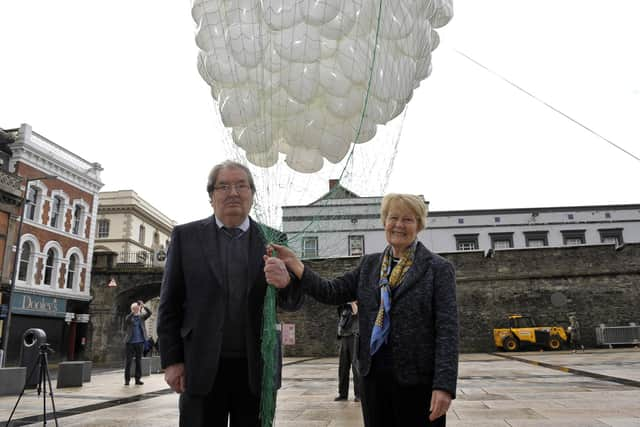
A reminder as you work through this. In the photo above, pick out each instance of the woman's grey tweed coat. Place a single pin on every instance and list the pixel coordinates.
(424, 316)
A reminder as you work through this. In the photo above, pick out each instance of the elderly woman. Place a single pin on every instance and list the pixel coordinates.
(408, 349)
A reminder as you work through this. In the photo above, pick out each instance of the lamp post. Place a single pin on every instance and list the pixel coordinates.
(16, 260)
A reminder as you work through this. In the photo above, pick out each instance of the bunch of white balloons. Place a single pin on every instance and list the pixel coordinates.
(293, 76)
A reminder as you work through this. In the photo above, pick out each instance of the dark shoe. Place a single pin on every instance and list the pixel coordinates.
(356, 399)
(138, 382)
(339, 398)
(126, 383)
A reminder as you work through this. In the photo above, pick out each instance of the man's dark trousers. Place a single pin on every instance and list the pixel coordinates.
(348, 361)
(230, 397)
(134, 351)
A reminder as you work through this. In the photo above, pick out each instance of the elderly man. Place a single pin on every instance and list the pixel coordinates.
(135, 336)
(211, 304)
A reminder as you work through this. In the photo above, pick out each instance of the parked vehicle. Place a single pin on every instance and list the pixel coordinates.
(522, 332)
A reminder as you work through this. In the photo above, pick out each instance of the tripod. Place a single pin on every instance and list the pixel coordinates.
(43, 380)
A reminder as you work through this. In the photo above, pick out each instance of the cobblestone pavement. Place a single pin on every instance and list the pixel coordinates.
(595, 388)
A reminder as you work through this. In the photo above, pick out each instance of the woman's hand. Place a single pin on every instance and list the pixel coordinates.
(288, 257)
(440, 402)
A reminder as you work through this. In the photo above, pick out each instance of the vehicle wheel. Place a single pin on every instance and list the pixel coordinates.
(510, 344)
(554, 342)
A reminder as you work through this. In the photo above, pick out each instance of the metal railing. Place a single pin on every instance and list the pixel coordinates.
(138, 258)
(612, 335)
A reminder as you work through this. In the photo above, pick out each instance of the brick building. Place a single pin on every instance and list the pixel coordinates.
(56, 244)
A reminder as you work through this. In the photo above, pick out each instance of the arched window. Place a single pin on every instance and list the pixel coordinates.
(48, 268)
(24, 261)
(71, 270)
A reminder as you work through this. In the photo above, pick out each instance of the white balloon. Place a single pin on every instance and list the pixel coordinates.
(246, 43)
(301, 81)
(396, 21)
(342, 24)
(344, 107)
(300, 43)
(354, 57)
(264, 159)
(319, 12)
(237, 106)
(304, 160)
(281, 14)
(256, 137)
(332, 80)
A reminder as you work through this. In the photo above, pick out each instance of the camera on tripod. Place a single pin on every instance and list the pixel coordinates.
(46, 348)
(33, 355)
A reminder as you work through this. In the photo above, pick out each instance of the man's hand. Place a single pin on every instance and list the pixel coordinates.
(174, 376)
(440, 402)
(288, 257)
(276, 272)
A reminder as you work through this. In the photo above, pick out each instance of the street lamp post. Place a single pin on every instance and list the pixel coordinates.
(16, 260)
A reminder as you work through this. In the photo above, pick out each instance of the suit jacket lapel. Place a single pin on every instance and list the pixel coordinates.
(421, 263)
(209, 241)
(256, 250)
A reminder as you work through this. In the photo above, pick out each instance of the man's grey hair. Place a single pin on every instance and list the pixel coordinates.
(228, 164)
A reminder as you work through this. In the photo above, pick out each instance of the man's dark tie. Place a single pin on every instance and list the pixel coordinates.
(232, 232)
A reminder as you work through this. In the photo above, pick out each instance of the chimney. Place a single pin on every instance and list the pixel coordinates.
(333, 183)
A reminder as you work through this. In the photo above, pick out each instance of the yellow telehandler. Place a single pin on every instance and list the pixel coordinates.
(522, 331)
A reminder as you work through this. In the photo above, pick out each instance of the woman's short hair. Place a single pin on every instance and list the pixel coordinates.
(414, 203)
(228, 164)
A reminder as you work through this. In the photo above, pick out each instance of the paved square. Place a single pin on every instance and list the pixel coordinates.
(533, 389)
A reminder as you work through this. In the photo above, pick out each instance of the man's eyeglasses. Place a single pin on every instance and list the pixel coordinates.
(241, 188)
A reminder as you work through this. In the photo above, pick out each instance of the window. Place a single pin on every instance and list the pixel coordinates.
(48, 268)
(103, 228)
(25, 257)
(141, 235)
(77, 218)
(71, 271)
(56, 211)
(607, 215)
(32, 203)
(611, 235)
(156, 238)
(501, 240)
(460, 220)
(356, 245)
(536, 239)
(569, 216)
(309, 247)
(573, 237)
(496, 219)
(466, 242)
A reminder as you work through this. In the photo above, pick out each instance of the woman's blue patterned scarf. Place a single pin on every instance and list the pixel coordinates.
(389, 279)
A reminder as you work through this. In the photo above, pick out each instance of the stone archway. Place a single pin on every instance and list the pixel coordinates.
(110, 305)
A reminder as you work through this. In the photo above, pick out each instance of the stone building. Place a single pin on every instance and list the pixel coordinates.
(131, 229)
(56, 243)
(342, 223)
(598, 283)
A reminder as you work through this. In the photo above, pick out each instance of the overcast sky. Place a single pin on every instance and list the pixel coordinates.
(116, 82)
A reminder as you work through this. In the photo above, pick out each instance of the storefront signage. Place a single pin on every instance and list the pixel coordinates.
(38, 305)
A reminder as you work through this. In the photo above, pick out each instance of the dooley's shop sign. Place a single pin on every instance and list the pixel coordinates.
(38, 305)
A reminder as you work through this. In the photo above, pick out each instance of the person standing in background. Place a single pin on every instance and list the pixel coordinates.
(135, 337)
(348, 337)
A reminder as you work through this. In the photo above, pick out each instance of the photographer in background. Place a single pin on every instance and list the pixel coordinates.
(135, 337)
(348, 336)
